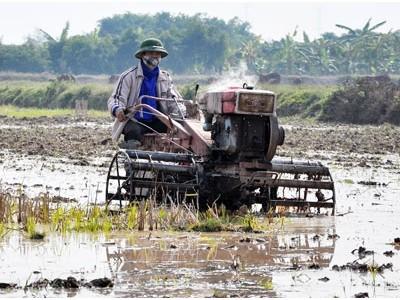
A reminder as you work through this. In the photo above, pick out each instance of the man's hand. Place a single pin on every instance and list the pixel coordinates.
(120, 115)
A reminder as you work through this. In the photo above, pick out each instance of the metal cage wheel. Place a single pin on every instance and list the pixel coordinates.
(118, 178)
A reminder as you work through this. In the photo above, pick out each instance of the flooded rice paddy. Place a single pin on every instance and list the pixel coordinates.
(315, 256)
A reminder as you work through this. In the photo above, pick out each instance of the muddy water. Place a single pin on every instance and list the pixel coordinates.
(226, 264)
(366, 216)
(24, 261)
(170, 264)
(288, 261)
(58, 177)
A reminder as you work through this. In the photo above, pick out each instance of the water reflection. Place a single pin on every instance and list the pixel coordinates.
(169, 263)
(193, 264)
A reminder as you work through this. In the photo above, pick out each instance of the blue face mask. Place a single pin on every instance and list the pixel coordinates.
(151, 61)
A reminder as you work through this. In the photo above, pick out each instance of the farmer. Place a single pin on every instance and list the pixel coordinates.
(144, 79)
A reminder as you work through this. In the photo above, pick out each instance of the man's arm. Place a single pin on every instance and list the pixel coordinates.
(119, 97)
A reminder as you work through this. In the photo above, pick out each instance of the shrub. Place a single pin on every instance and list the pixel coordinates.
(364, 100)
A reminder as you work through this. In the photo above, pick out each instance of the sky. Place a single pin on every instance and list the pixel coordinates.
(271, 20)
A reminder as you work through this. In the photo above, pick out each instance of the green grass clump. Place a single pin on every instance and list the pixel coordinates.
(132, 217)
(162, 218)
(267, 284)
(213, 220)
(348, 181)
(250, 223)
(31, 229)
(107, 225)
(77, 215)
(208, 225)
(76, 219)
(97, 220)
(60, 220)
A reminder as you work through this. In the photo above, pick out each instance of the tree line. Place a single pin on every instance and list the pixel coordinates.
(203, 45)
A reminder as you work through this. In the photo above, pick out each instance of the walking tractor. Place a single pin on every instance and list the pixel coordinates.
(226, 157)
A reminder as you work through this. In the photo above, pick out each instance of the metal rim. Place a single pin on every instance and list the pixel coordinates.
(118, 178)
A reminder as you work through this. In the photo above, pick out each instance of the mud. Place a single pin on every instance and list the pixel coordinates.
(74, 139)
(296, 259)
(83, 140)
(69, 283)
(361, 295)
(363, 268)
(345, 145)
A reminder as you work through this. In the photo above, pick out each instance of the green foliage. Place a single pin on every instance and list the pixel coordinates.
(30, 226)
(18, 112)
(132, 217)
(195, 43)
(94, 222)
(201, 44)
(29, 57)
(54, 94)
(213, 247)
(60, 220)
(77, 215)
(209, 221)
(187, 91)
(2, 230)
(89, 55)
(76, 219)
(250, 223)
(31, 229)
(267, 284)
(162, 218)
(373, 269)
(208, 225)
(107, 225)
(304, 101)
(348, 181)
(281, 221)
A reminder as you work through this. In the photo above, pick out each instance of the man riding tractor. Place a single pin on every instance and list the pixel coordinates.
(144, 79)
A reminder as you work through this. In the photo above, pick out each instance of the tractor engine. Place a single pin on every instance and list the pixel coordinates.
(243, 123)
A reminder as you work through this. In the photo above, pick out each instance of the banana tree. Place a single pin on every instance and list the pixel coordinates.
(358, 47)
(250, 51)
(55, 48)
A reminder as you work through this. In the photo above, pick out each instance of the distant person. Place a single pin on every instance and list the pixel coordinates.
(144, 79)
